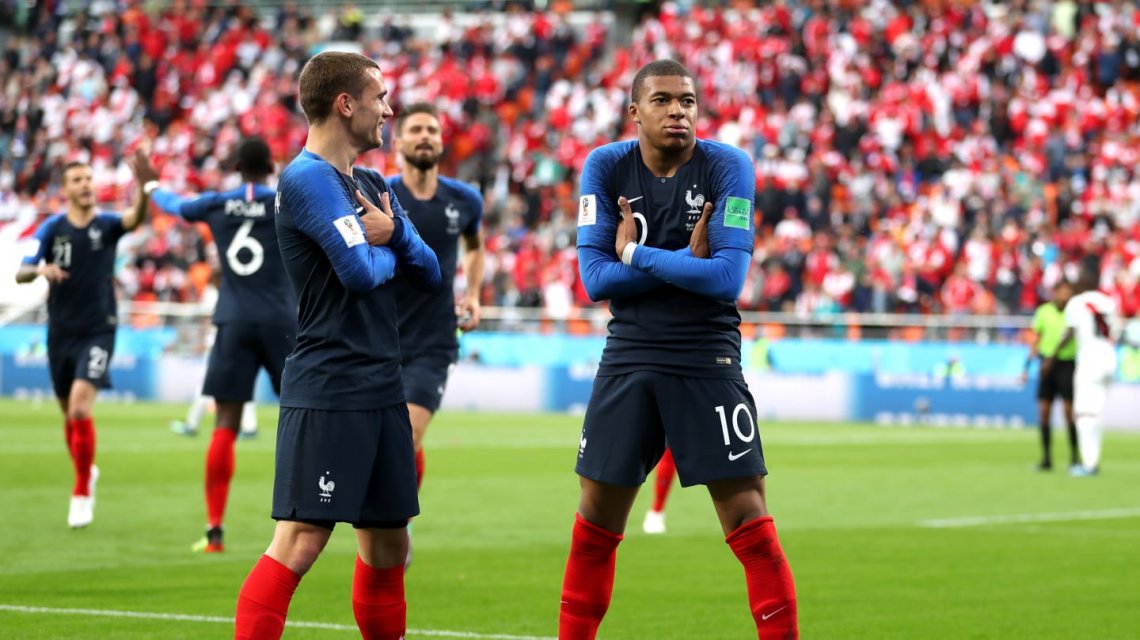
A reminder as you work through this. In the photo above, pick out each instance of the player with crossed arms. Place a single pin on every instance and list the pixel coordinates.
(344, 439)
(670, 370)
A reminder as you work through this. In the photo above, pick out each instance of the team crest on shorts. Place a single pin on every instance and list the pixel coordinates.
(327, 487)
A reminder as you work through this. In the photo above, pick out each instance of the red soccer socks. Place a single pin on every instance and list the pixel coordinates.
(589, 581)
(82, 445)
(219, 472)
(771, 590)
(666, 471)
(378, 601)
(421, 463)
(263, 601)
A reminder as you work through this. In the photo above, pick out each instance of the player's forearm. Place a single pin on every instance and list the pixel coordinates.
(474, 262)
(720, 277)
(27, 273)
(417, 260)
(606, 278)
(168, 201)
(363, 271)
(137, 215)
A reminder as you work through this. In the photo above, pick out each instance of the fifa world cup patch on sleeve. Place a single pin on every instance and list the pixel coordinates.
(350, 230)
(737, 213)
(587, 210)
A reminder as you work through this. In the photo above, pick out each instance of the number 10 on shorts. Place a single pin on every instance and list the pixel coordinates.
(736, 426)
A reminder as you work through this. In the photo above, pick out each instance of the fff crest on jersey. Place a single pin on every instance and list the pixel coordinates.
(696, 206)
(452, 215)
(95, 235)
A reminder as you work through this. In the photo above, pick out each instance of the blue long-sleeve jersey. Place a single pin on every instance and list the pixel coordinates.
(348, 347)
(671, 312)
(254, 285)
(427, 319)
(84, 302)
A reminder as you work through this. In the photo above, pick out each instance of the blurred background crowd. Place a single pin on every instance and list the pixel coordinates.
(916, 157)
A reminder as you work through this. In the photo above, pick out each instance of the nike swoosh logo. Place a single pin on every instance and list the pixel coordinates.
(732, 455)
(769, 615)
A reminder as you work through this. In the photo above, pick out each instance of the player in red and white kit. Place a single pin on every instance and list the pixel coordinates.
(1092, 319)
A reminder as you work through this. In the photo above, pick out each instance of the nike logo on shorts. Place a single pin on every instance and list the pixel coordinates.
(733, 456)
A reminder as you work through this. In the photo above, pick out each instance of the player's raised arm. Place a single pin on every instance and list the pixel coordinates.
(189, 208)
(327, 217)
(730, 236)
(147, 179)
(603, 275)
(417, 261)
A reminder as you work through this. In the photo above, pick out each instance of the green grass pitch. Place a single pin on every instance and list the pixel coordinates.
(1047, 556)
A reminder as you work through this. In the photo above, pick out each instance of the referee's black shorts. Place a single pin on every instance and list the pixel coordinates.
(1057, 382)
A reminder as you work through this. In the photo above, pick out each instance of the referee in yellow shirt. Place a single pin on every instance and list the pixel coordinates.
(1048, 327)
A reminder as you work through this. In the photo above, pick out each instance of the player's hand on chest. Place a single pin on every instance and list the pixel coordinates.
(666, 213)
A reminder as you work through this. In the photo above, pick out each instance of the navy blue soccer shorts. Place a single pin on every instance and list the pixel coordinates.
(709, 423)
(240, 349)
(74, 357)
(425, 377)
(345, 466)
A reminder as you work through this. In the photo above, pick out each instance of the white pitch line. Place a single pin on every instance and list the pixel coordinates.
(979, 521)
(181, 617)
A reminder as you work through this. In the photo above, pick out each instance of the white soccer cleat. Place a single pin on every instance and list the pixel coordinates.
(654, 522)
(81, 513)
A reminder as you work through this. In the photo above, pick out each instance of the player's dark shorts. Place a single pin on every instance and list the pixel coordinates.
(425, 377)
(345, 466)
(240, 349)
(74, 357)
(1058, 382)
(709, 423)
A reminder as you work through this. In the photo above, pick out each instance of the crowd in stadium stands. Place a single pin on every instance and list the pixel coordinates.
(930, 156)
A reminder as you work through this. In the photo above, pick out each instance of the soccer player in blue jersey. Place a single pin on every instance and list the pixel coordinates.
(256, 315)
(443, 210)
(665, 233)
(344, 439)
(75, 252)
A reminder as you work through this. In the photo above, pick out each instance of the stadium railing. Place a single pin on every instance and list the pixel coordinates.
(191, 323)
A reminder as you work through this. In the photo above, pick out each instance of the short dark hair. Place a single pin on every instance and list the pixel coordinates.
(74, 164)
(655, 69)
(413, 109)
(326, 76)
(253, 158)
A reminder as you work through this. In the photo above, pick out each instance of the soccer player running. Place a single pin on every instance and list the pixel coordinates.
(442, 209)
(1093, 323)
(256, 314)
(344, 439)
(75, 252)
(665, 232)
(1048, 327)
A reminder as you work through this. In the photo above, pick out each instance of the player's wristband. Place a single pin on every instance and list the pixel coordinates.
(150, 186)
(627, 253)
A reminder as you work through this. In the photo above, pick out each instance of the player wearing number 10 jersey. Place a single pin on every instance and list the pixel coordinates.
(665, 232)
(256, 312)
